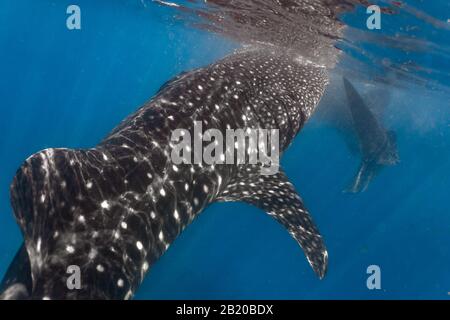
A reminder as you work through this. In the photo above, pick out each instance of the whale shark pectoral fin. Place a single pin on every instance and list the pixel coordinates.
(276, 196)
(17, 282)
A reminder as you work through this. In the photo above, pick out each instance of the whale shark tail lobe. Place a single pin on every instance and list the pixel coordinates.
(388, 156)
(366, 172)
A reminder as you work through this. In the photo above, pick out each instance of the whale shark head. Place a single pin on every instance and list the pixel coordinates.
(58, 196)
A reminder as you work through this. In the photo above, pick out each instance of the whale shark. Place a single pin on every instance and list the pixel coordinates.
(378, 146)
(114, 209)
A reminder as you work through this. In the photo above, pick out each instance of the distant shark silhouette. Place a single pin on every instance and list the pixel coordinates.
(378, 146)
(113, 210)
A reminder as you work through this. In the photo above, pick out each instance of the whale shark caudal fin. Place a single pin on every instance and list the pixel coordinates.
(378, 146)
(276, 196)
(17, 282)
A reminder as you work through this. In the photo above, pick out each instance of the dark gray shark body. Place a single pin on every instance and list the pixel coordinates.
(114, 210)
(377, 146)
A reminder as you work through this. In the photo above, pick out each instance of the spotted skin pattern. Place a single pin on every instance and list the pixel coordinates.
(113, 210)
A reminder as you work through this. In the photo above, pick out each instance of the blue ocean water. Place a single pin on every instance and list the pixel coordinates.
(62, 88)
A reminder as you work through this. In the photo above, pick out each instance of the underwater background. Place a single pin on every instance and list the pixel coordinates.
(69, 88)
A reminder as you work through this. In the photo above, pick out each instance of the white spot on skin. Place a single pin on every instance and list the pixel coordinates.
(92, 254)
(124, 225)
(139, 245)
(153, 215)
(161, 236)
(145, 266)
(70, 249)
(105, 204)
(42, 198)
(46, 298)
(89, 185)
(81, 219)
(176, 215)
(162, 192)
(120, 283)
(100, 268)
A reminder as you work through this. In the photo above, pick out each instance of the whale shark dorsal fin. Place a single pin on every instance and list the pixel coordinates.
(276, 195)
